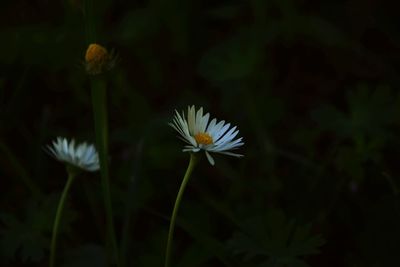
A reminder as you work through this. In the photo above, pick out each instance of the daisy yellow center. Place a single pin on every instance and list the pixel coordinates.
(203, 138)
(96, 54)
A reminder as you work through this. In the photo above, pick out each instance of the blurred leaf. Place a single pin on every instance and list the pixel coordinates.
(368, 113)
(86, 255)
(286, 263)
(331, 119)
(226, 12)
(150, 249)
(19, 169)
(243, 244)
(209, 243)
(370, 109)
(366, 124)
(306, 139)
(29, 238)
(41, 45)
(233, 59)
(175, 15)
(194, 256)
(260, 8)
(275, 237)
(380, 237)
(293, 25)
(318, 28)
(349, 161)
(137, 25)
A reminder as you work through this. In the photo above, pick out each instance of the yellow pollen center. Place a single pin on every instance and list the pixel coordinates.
(203, 138)
(96, 54)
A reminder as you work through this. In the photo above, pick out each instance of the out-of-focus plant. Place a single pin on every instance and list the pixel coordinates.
(26, 237)
(271, 239)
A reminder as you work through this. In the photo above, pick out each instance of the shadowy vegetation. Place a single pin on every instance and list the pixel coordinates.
(312, 86)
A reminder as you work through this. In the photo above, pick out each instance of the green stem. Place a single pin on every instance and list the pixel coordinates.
(60, 208)
(101, 129)
(98, 89)
(89, 21)
(185, 180)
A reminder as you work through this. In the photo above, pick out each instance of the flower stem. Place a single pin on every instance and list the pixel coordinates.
(185, 180)
(98, 90)
(101, 129)
(60, 208)
(89, 21)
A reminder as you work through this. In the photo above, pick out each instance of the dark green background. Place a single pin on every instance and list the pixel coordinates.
(312, 86)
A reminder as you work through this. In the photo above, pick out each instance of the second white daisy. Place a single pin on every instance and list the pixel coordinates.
(201, 134)
(83, 156)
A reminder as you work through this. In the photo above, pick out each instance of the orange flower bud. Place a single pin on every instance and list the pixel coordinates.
(97, 59)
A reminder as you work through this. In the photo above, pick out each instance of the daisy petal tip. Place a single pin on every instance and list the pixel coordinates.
(210, 159)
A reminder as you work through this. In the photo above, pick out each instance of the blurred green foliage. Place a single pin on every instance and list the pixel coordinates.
(278, 240)
(312, 86)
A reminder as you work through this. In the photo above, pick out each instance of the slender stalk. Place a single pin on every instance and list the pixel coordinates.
(60, 208)
(101, 129)
(98, 89)
(185, 180)
(89, 21)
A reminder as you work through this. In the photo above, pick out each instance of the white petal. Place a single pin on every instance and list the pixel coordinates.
(51, 151)
(227, 137)
(79, 151)
(204, 122)
(221, 132)
(193, 149)
(210, 158)
(71, 150)
(214, 130)
(231, 154)
(191, 119)
(227, 146)
(199, 117)
(181, 123)
(211, 125)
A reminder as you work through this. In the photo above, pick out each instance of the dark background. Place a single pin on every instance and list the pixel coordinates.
(312, 86)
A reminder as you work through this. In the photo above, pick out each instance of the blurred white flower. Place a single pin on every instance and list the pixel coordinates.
(83, 156)
(200, 134)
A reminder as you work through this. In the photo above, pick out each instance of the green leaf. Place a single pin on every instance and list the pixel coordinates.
(39, 44)
(367, 115)
(137, 25)
(276, 238)
(28, 238)
(369, 109)
(209, 243)
(379, 239)
(241, 243)
(225, 12)
(235, 58)
(286, 263)
(195, 255)
(86, 255)
(331, 119)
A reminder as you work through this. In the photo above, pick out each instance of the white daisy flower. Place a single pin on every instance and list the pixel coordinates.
(200, 134)
(83, 156)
